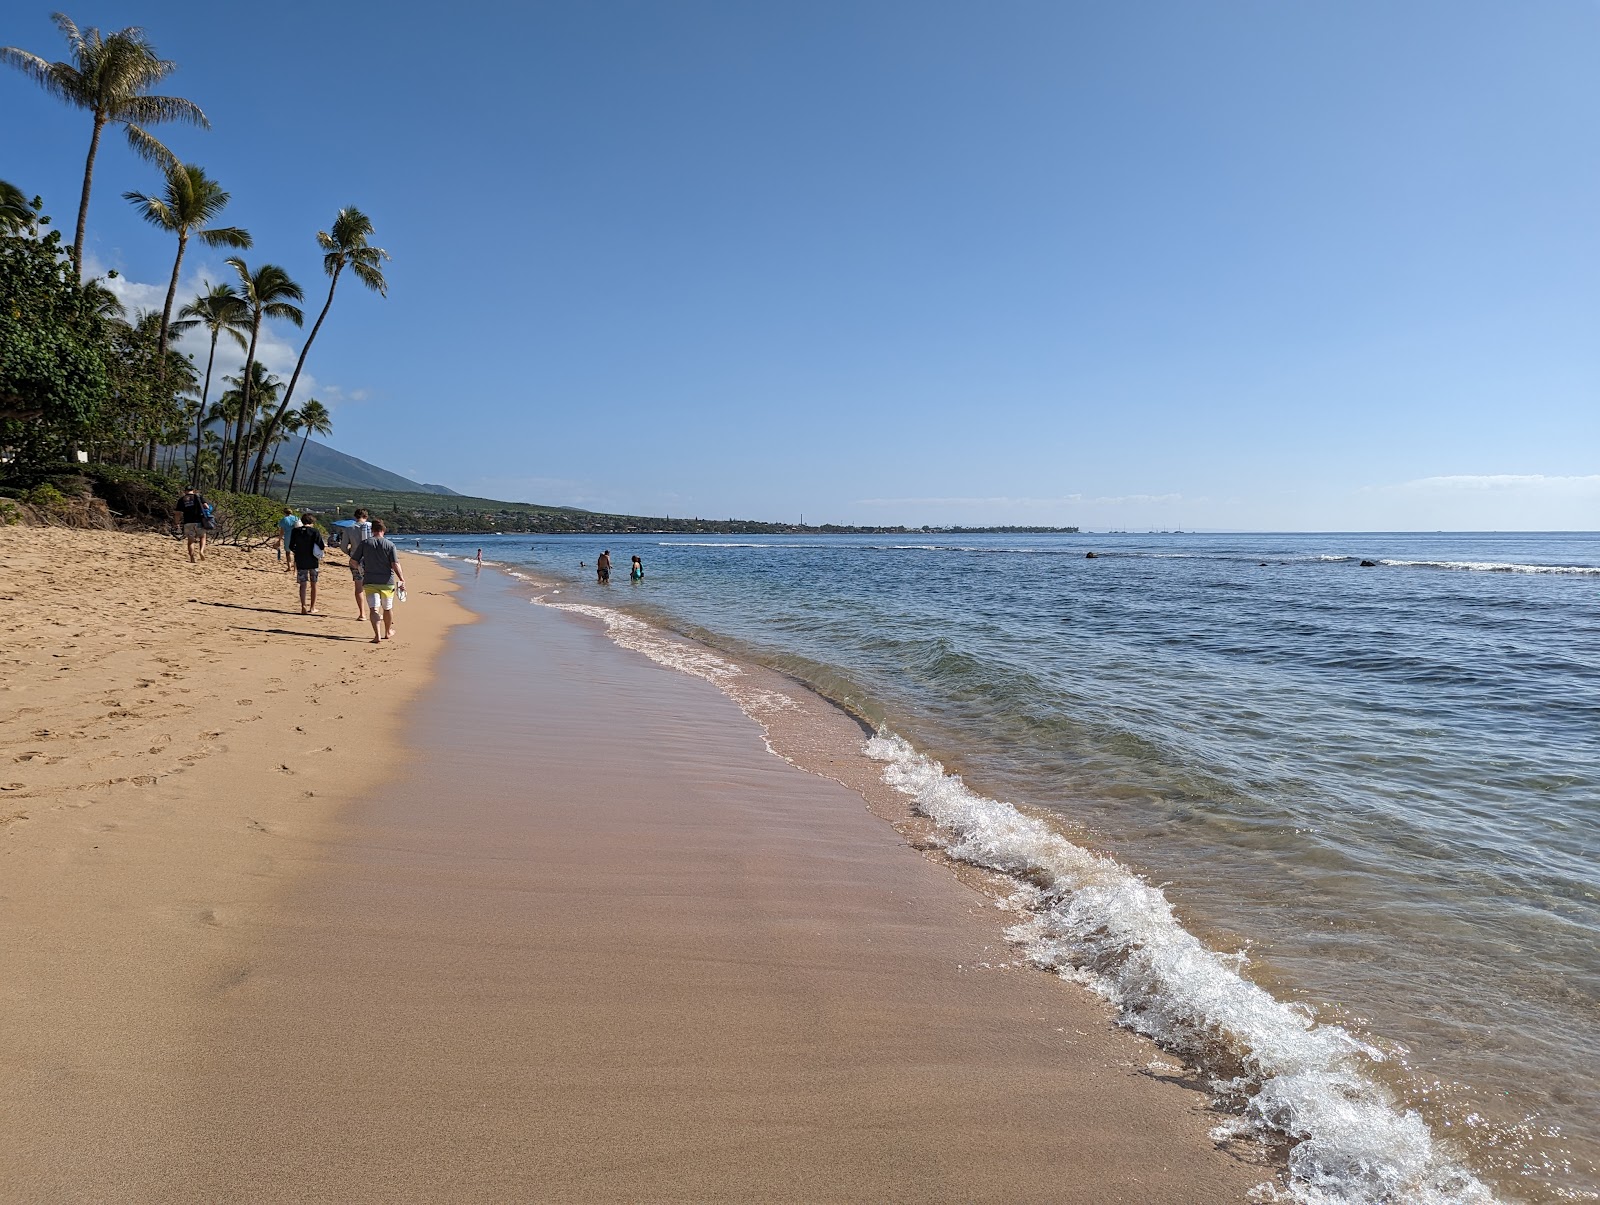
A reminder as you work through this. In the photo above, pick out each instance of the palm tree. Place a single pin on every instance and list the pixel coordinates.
(267, 293)
(314, 416)
(221, 311)
(346, 246)
(111, 76)
(192, 199)
(102, 302)
(289, 427)
(16, 215)
(239, 417)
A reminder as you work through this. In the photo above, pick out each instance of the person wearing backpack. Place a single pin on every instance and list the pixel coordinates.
(192, 514)
(307, 545)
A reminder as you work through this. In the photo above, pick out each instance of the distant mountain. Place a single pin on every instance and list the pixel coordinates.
(440, 489)
(325, 467)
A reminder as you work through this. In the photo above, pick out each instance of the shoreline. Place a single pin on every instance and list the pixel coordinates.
(184, 910)
(1313, 1094)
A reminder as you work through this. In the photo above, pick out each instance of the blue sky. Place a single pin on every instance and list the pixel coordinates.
(1261, 265)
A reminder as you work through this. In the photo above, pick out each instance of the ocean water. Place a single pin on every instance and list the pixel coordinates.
(1327, 830)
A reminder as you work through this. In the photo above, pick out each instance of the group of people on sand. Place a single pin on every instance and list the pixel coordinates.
(374, 562)
(602, 569)
(375, 572)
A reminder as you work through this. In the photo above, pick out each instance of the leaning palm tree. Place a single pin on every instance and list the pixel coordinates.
(16, 215)
(221, 311)
(344, 247)
(268, 293)
(190, 201)
(110, 75)
(314, 417)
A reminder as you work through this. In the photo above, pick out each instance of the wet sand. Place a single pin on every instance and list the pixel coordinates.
(593, 941)
(576, 935)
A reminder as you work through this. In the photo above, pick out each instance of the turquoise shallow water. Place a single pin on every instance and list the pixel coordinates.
(1380, 782)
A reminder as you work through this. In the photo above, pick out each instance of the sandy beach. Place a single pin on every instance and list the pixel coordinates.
(497, 911)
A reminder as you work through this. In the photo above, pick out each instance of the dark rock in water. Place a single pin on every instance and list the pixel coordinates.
(1369, 564)
(1091, 556)
(1263, 565)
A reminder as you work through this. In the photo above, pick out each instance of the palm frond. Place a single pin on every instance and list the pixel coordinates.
(153, 110)
(371, 277)
(153, 210)
(148, 147)
(226, 236)
(55, 78)
(282, 309)
(69, 29)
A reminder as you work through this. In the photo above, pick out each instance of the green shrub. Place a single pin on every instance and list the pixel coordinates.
(47, 497)
(242, 518)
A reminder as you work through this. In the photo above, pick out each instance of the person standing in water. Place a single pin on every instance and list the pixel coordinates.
(636, 574)
(602, 568)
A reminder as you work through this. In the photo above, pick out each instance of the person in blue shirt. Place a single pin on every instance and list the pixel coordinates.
(286, 526)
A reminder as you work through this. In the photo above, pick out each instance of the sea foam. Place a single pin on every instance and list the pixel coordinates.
(1091, 920)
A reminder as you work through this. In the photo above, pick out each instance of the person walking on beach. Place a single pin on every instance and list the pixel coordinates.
(189, 513)
(362, 531)
(307, 545)
(636, 574)
(286, 526)
(602, 568)
(380, 570)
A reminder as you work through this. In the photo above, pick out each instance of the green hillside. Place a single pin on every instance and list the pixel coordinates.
(407, 512)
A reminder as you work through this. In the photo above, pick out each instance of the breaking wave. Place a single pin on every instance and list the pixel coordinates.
(1091, 920)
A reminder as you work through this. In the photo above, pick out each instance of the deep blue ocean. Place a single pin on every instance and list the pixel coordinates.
(1382, 783)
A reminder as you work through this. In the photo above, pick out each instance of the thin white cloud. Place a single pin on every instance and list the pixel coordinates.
(1534, 483)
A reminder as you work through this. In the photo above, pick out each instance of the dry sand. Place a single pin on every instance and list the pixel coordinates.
(577, 934)
(173, 740)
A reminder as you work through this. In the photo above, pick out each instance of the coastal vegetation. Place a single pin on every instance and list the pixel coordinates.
(452, 513)
(84, 384)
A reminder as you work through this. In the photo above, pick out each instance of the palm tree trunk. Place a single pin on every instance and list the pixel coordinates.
(296, 471)
(172, 291)
(205, 395)
(300, 363)
(244, 402)
(83, 202)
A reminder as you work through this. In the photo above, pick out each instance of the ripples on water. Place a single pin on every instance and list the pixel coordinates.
(1382, 782)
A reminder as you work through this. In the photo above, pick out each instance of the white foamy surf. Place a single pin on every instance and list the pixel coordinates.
(1497, 567)
(1091, 920)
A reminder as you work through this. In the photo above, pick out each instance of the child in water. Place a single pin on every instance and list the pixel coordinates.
(637, 572)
